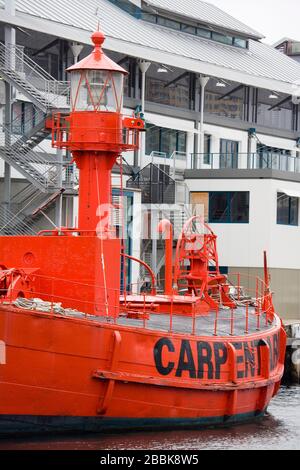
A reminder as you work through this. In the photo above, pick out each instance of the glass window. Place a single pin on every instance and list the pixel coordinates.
(204, 33)
(207, 145)
(239, 207)
(295, 47)
(222, 38)
(218, 208)
(287, 210)
(273, 158)
(174, 95)
(149, 17)
(152, 139)
(163, 140)
(239, 42)
(229, 153)
(188, 29)
(168, 23)
(229, 207)
(232, 106)
(96, 90)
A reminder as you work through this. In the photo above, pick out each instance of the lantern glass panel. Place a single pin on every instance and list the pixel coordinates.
(75, 81)
(97, 90)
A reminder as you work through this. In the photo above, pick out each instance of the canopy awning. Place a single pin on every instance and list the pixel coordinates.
(289, 192)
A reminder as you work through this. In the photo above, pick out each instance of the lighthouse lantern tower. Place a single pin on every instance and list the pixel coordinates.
(96, 132)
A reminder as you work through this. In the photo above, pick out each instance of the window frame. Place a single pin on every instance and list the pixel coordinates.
(229, 217)
(162, 132)
(194, 30)
(290, 216)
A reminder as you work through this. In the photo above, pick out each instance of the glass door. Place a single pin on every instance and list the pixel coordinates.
(229, 152)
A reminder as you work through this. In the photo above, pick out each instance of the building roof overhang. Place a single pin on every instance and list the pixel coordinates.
(261, 66)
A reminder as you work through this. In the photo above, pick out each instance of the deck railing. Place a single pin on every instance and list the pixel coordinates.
(255, 310)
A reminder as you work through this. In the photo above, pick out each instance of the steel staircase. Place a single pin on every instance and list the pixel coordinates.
(37, 167)
(31, 80)
(48, 95)
(31, 135)
(11, 224)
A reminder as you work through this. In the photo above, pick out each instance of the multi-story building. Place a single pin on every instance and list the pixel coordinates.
(222, 117)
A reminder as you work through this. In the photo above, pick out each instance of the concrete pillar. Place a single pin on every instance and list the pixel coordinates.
(203, 82)
(199, 137)
(10, 33)
(7, 167)
(252, 149)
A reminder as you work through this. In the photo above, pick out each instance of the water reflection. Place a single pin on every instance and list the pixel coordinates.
(280, 429)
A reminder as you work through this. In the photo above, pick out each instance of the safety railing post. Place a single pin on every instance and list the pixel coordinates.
(267, 313)
(256, 296)
(194, 320)
(116, 307)
(216, 323)
(239, 285)
(11, 287)
(232, 322)
(171, 312)
(247, 318)
(52, 293)
(258, 315)
(144, 311)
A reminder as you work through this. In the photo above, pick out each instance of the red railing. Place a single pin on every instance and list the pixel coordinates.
(127, 137)
(255, 311)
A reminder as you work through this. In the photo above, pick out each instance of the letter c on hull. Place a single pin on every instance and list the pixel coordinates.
(2, 353)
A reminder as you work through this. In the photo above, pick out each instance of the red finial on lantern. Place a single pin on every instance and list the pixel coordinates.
(98, 38)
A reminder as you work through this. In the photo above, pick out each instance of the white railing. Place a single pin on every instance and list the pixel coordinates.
(177, 160)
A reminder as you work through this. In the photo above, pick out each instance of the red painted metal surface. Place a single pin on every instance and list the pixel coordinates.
(197, 264)
(65, 367)
(97, 60)
(84, 351)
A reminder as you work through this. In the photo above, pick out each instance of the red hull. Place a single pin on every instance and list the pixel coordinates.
(65, 367)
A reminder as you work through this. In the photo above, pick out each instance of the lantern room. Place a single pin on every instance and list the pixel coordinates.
(97, 82)
(96, 122)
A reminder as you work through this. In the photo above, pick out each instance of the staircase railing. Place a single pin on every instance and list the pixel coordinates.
(36, 166)
(13, 59)
(12, 224)
(21, 126)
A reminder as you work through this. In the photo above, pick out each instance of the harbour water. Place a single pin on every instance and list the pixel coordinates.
(280, 429)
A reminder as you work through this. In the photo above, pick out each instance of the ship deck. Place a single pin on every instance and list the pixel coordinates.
(228, 323)
(239, 322)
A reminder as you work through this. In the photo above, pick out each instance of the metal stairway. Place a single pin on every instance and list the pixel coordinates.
(11, 224)
(31, 80)
(156, 185)
(36, 167)
(48, 95)
(31, 135)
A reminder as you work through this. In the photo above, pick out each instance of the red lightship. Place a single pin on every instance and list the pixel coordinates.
(87, 357)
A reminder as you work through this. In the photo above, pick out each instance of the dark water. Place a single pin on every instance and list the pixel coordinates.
(280, 429)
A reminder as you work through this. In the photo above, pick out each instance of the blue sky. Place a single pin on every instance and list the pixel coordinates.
(274, 18)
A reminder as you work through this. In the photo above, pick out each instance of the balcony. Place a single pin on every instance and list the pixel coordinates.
(246, 161)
